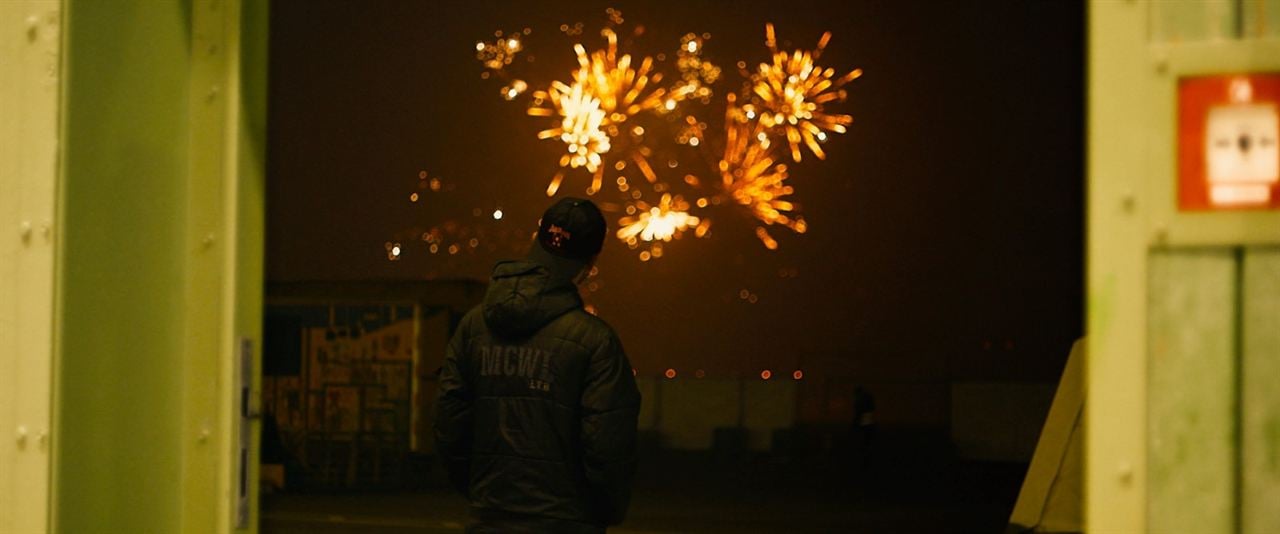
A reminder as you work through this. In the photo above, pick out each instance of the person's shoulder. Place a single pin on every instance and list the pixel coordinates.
(470, 321)
(594, 330)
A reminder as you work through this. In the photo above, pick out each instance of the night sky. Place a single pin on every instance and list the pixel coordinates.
(945, 228)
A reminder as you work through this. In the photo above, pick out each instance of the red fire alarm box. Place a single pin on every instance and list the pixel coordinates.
(1228, 130)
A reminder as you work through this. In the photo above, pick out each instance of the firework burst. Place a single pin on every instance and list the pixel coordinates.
(792, 91)
(606, 92)
(580, 128)
(662, 222)
(616, 113)
(752, 178)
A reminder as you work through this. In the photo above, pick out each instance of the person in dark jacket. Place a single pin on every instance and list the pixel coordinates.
(538, 403)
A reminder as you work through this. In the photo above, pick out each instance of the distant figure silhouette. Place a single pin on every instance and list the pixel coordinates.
(863, 429)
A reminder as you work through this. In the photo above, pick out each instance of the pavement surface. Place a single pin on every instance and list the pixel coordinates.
(700, 494)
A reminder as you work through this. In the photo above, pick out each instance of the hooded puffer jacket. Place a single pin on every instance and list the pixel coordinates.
(537, 409)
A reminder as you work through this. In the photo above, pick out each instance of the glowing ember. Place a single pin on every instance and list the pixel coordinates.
(502, 51)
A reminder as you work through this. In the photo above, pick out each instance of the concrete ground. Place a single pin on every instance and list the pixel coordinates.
(696, 493)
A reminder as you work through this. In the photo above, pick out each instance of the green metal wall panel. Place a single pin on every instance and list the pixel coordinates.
(1260, 413)
(118, 400)
(1261, 18)
(1188, 21)
(1191, 391)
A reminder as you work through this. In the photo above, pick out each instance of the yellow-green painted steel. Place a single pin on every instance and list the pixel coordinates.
(160, 271)
(118, 463)
(30, 44)
(250, 214)
(1260, 18)
(1118, 119)
(1169, 426)
(1260, 433)
(1191, 376)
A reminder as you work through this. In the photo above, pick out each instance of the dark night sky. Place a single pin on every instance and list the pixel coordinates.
(949, 215)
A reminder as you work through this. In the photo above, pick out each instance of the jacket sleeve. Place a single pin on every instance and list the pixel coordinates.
(453, 422)
(610, 410)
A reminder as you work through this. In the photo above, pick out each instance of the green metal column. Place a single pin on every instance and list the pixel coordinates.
(119, 391)
(160, 263)
(251, 194)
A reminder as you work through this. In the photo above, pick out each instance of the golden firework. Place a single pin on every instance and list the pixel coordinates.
(616, 112)
(792, 91)
(752, 178)
(580, 126)
(657, 223)
(605, 92)
(696, 74)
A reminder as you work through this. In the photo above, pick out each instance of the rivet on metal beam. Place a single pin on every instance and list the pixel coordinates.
(32, 28)
(1124, 472)
(213, 94)
(22, 436)
(1161, 62)
(1127, 202)
(46, 230)
(24, 230)
(208, 240)
(204, 435)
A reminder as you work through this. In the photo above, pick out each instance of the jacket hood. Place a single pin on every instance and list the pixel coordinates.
(523, 296)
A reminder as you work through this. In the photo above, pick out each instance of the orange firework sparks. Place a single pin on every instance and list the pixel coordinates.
(657, 223)
(502, 51)
(792, 91)
(580, 127)
(752, 178)
(606, 91)
(615, 112)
